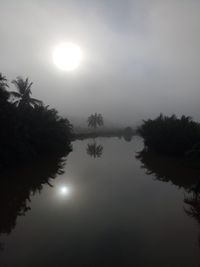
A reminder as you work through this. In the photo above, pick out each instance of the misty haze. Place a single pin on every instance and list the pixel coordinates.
(100, 133)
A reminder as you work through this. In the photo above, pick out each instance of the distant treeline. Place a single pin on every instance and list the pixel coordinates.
(172, 136)
(29, 129)
(127, 133)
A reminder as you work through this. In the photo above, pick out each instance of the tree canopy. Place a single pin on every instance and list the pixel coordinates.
(95, 120)
(23, 94)
(29, 129)
(171, 135)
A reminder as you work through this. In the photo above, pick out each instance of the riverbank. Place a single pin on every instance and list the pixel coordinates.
(105, 133)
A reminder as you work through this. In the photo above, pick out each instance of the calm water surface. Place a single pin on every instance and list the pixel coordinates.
(107, 209)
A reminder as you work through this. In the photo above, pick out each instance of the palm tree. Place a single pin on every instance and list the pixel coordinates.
(23, 93)
(3, 81)
(4, 94)
(95, 120)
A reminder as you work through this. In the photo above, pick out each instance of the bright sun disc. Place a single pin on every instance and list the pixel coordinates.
(64, 190)
(67, 56)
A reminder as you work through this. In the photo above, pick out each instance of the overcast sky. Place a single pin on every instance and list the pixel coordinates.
(140, 57)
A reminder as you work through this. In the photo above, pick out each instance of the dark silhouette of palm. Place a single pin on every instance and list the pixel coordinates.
(95, 120)
(94, 150)
(3, 81)
(23, 94)
(4, 94)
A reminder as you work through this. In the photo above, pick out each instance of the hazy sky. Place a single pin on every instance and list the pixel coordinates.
(140, 57)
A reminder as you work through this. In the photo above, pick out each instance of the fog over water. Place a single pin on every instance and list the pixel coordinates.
(140, 58)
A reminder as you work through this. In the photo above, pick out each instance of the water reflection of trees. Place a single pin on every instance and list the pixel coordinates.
(180, 172)
(192, 199)
(128, 134)
(94, 150)
(17, 186)
(128, 138)
(193, 208)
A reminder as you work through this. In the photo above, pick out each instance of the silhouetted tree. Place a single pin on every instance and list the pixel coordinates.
(48, 132)
(170, 135)
(31, 131)
(23, 94)
(4, 94)
(3, 82)
(95, 120)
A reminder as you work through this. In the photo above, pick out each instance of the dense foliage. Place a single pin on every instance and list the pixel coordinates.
(171, 135)
(29, 129)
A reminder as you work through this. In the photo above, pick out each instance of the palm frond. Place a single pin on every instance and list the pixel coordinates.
(16, 102)
(35, 101)
(15, 94)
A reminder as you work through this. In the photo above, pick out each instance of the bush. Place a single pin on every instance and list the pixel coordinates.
(170, 135)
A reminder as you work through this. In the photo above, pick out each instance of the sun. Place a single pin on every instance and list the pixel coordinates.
(67, 56)
(64, 190)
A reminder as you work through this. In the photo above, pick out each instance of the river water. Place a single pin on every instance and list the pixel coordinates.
(105, 208)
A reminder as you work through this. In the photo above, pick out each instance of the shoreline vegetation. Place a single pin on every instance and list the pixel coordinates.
(127, 133)
(171, 136)
(96, 120)
(35, 137)
(30, 130)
